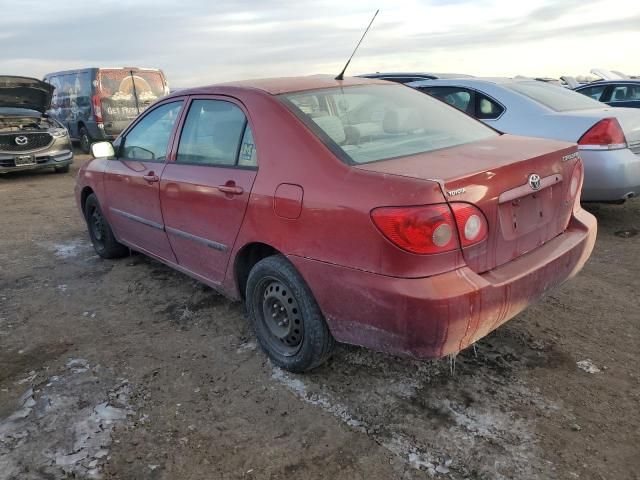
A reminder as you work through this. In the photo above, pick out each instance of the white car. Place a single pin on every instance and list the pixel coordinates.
(608, 137)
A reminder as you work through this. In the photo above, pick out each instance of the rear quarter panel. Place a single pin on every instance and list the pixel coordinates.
(334, 225)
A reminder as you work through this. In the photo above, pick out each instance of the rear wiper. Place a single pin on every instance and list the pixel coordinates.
(135, 93)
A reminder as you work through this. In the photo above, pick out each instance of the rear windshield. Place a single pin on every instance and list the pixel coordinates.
(367, 123)
(559, 99)
(125, 93)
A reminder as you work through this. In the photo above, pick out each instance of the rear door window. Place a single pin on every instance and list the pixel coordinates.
(149, 139)
(458, 97)
(625, 93)
(216, 133)
(594, 92)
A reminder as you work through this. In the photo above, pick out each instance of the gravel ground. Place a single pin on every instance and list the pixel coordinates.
(129, 370)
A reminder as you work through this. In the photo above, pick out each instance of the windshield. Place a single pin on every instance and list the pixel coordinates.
(367, 123)
(559, 99)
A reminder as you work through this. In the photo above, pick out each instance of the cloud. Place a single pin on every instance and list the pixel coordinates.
(197, 41)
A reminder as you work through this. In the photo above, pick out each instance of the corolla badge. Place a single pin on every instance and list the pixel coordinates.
(534, 181)
(21, 140)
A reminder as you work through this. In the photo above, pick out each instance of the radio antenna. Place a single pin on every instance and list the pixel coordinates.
(341, 74)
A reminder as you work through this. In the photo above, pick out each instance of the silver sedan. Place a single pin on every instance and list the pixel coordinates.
(608, 137)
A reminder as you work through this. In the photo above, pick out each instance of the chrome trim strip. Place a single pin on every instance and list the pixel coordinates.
(525, 190)
(136, 218)
(209, 243)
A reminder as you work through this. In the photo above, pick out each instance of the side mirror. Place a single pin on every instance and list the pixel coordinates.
(102, 150)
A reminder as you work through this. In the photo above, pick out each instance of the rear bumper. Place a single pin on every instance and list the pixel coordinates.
(610, 175)
(48, 159)
(440, 315)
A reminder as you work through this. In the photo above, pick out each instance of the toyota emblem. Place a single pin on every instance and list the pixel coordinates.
(534, 181)
(21, 140)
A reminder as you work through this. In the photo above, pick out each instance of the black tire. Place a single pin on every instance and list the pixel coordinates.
(63, 169)
(285, 317)
(85, 140)
(102, 238)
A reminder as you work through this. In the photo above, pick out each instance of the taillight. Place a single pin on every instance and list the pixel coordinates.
(97, 108)
(575, 185)
(423, 229)
(607, 134)
(472, 226)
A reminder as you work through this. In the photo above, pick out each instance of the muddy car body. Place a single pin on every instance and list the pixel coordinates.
(357, 210)
(29, 139)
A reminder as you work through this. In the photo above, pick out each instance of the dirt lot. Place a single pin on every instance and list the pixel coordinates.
(126, 369)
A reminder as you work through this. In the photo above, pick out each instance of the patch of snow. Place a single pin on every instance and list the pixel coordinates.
(588, 366)
(52, 431)
(68, 249)
(246, 346)
(397, 444)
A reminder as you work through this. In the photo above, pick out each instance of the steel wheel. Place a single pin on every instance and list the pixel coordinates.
(102, 238)
(98, 227)
(280, 317)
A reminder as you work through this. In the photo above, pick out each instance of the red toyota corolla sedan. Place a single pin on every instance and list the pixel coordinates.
(356, 211)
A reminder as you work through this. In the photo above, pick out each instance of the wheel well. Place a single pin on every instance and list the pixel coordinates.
(247, 257)
(86, 191)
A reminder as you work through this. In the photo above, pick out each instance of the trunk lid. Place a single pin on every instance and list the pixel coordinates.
(494, 176)
(25, 92)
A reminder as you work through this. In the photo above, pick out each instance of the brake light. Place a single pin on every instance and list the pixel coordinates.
(423, 229)
(607, 134)
(97, 108)
(573, 194)
(471, 223)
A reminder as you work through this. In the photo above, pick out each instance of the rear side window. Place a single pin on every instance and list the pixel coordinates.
(556, 98)
(486, 108)
(216, 133)
(149, 138)
(594, 92)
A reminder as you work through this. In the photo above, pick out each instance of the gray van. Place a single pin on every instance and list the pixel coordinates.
(98, 103)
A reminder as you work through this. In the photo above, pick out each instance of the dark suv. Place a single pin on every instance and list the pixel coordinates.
(29, 139)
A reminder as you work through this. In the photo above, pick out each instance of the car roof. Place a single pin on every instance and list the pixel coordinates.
(426, 75)
(474, 80)
(276, 86)
(609, 82)
(86, 69)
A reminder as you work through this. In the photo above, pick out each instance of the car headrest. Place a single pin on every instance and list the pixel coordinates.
(485, 106)
(620, 95)
(332, 126)
(401, 120)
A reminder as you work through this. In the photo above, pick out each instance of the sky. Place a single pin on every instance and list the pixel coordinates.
(199, 42)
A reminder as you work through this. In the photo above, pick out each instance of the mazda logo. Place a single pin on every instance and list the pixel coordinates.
(534, 181)
(21, 140)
